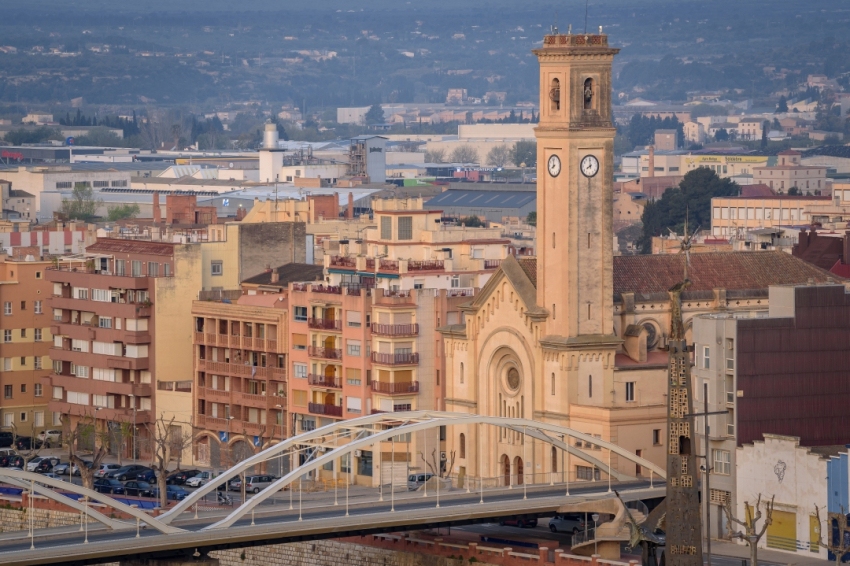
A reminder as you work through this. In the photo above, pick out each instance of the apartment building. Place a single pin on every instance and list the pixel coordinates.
(735, 216)
(25, 345)
(788, 173)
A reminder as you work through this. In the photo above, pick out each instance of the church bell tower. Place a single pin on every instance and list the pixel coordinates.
(575, 164)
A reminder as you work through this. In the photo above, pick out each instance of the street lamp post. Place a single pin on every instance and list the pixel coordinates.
(595, 518)
(133, 401)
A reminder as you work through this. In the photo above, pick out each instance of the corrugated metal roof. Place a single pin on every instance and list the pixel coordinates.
(484, 199)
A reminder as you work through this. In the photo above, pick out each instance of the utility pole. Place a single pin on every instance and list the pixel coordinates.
(707, 493)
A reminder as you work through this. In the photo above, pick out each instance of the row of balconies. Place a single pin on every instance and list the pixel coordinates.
(406, 359)
(90, 331)
(240, 398)
(231, 341)
(361, 263)
(389, 388)
(124, 414)
(325, 409)
(241, 370)
(97, 360)
(99, 387)
(81, 276)
(237, 426)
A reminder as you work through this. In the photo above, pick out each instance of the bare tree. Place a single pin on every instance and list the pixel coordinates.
(464, 154)
(499, 156)
(752, 532)
(29, 453)
(81, 436)
(436, 155)
(169, 441)
(841, 546)
(435, 468)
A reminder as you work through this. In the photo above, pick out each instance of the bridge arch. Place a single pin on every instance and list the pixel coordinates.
(534, 429)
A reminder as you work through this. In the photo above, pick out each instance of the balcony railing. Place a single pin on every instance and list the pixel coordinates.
(324, 380)
(326, 353)
(395, 359)
(324, 323)
(370, 263)
(492, 263)
(388, 265)
(395, 329)
(342, 261)
(332, 289)
(299, 287)
(404, 387)
(322, 409)
(430, 265)
(242, 370)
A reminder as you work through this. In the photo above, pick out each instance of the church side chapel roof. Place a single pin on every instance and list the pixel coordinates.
(647, 275)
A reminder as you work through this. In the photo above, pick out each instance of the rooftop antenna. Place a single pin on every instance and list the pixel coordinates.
(586, 2)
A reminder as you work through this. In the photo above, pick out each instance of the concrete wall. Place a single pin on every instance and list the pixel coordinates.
(270, 243)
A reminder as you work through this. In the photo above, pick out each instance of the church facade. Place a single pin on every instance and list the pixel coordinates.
(577, 337)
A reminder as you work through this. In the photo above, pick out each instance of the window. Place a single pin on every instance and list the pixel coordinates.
(120, 267)
(23, 387)
(353, 404)
(57, 367)
(299, 398)
(353, 348)
(300, 370)
(656, 437)
(23, 361)
(23, 305)
(7, 308)
(36, 362)
(80, 293)
(587, 473)
(461, 372)
(153, 269)
(300, 314)
(7, 364)
(216, 268)
(720, 497)
(462, 445)
(299, 342)
(23, 417)
(405, 228)
(402, 408)
(722, 464)
(7, 336)
(386, 228)
(706, 357)
(553, 383)
(23, 332)
(590, 386)
(7, 391)
(38, 418)
(166, 269)
(64, 185)
(37, 308)
(58, 393)
(38, 390)
(630, 391)
(352, 318)
(37, 334)
(104, 322)
(136, 267)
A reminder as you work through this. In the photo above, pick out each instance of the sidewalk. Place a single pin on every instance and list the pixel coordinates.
(742, 551)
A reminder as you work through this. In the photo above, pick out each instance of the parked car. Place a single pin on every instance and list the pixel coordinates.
(27, 443)
(172, 492)
(125, 473)
(521, 522)
(253, 484)
(12, 461)
(75, 470)
(106, 485)
(46, 465)
(8, 452)
(201, 479)
(35, 462)
(62, 469)
(180, 476)
(50, 437)
(138, 488)
(105, 469)
(147, 475)
(415, 481)
(568, 523)
(6, 438)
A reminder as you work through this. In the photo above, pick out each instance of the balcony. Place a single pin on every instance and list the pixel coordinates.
(241, 370)
(215, 395)
(324, 353)
(492, 263)
(322, 409)
(430, 265)
(410, 359)
(324, 380)
(84, 277)
(387, 298)
(99, 387)
(401, 388)
(395, 329)
(387, 265)
(115, 310)
(255, 400)
(343, 261)
(324, 324)
(331, 289)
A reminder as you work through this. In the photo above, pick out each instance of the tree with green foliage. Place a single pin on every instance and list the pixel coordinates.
(498, 156)
(781, 106)
(82, 205)
(100, 137)
(472, 221)
(120, 212)
(691, 198)
(764, 129)
(375, 115)
(38, 135)
(524, 152)
(721, 135)
(794, 191)
(641, 130)
(531, 219)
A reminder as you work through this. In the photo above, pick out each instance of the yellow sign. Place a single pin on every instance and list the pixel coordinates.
(726, 159)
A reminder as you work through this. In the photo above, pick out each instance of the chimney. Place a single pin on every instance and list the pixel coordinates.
(275, 277)
(651, 161)
(349, 213)
(157, 213)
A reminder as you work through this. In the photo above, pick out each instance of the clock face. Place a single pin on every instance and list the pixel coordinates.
(589, 166)
(554, 165)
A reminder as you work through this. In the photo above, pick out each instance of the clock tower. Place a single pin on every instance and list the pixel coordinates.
(575, 146)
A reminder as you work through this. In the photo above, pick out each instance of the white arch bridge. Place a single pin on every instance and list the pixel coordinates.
(287, 512)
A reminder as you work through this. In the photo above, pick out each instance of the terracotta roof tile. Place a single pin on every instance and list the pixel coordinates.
(115, 245)
(648, 274)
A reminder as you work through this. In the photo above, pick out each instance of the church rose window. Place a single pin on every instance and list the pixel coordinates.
(513, 378)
